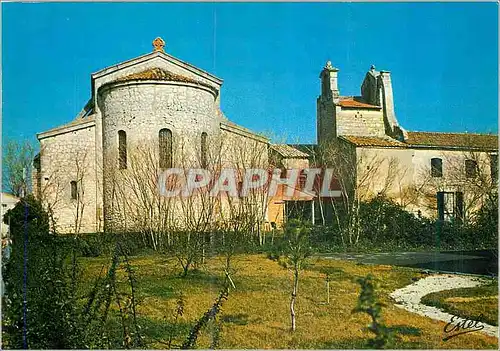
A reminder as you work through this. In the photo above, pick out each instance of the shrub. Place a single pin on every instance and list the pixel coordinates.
(39, 272)
(368, 303)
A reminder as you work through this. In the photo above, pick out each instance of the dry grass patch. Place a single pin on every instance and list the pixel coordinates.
(477, 303)
(256, 314)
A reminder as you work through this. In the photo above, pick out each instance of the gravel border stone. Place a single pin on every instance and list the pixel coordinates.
(410, 296)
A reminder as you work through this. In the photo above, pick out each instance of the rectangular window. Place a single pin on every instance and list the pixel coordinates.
(470, 168)
(436, 167)
(74, 190)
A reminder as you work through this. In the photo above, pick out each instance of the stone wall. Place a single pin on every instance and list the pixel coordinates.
(66, 156)
(360, 122)
(142, 109)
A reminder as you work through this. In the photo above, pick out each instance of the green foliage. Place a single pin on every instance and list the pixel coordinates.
(97, 315)
(179, 312)
(57, 315)
(384, 221)
(103, 244)
(27, 214)
(295, 247)
(209, 316)
(51, 314)
(385, 225)
(486, 225)
(17, 165)
(368, 303)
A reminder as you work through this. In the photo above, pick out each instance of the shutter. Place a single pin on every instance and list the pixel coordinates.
(440, 205)
(459, 205)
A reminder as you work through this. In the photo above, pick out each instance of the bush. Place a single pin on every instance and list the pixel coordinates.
(38, 272)
(384, 221)
(385, 225)
(368, 302)
(486, 226)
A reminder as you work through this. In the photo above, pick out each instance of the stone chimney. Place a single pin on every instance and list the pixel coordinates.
(387, 101)
(326, 110)
(387, 98)
(329, 83)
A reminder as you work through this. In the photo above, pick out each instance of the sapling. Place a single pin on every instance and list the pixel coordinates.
(296, 252)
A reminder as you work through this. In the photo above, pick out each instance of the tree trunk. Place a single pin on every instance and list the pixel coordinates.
(327, 292)
(294, 297)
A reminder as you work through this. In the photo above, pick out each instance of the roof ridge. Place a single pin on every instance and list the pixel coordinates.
(461, 133)
(159, 73)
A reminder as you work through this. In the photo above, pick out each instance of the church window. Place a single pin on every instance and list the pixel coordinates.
(204, 150)
(436, 167)
(122, 149)
(74, 190)
(166, 153)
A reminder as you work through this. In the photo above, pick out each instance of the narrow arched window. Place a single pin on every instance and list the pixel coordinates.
(436, 167)
(204, 150)
(470, 168)
(165, 141)
(122, 149)
(74, 190)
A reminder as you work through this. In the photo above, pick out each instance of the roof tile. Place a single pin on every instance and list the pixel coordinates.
(288, 151)
(353, 102)
(156, 73)
(468, 140)
(373, 141)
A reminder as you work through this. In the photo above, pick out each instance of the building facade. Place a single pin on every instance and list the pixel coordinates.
(439, 175)
(85, 170)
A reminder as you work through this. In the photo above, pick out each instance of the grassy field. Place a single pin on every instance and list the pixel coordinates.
(256, 315)
(479, 303)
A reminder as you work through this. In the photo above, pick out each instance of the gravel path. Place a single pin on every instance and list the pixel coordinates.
(409, 297)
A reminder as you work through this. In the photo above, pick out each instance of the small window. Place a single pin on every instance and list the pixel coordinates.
(166, 153)
(436, 167)
(74, 190)
(122, 149)
(494, 167)
(204, 150)
(470, 168)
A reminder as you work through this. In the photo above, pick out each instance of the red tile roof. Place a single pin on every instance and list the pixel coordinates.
(353, 102)
(159, 74)
(430, 139)
(464, 140)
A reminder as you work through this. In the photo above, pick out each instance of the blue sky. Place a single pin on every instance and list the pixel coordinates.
(443, 58)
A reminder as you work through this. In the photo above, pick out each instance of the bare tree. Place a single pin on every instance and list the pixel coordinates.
(17, 165)
(81, 171)
(360, 175)
(296, 252)
(469, 171)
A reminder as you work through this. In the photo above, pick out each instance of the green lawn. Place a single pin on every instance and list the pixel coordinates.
(256, 315)
(478, 303)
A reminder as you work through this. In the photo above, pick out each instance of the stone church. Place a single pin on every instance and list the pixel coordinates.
(157, 97)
